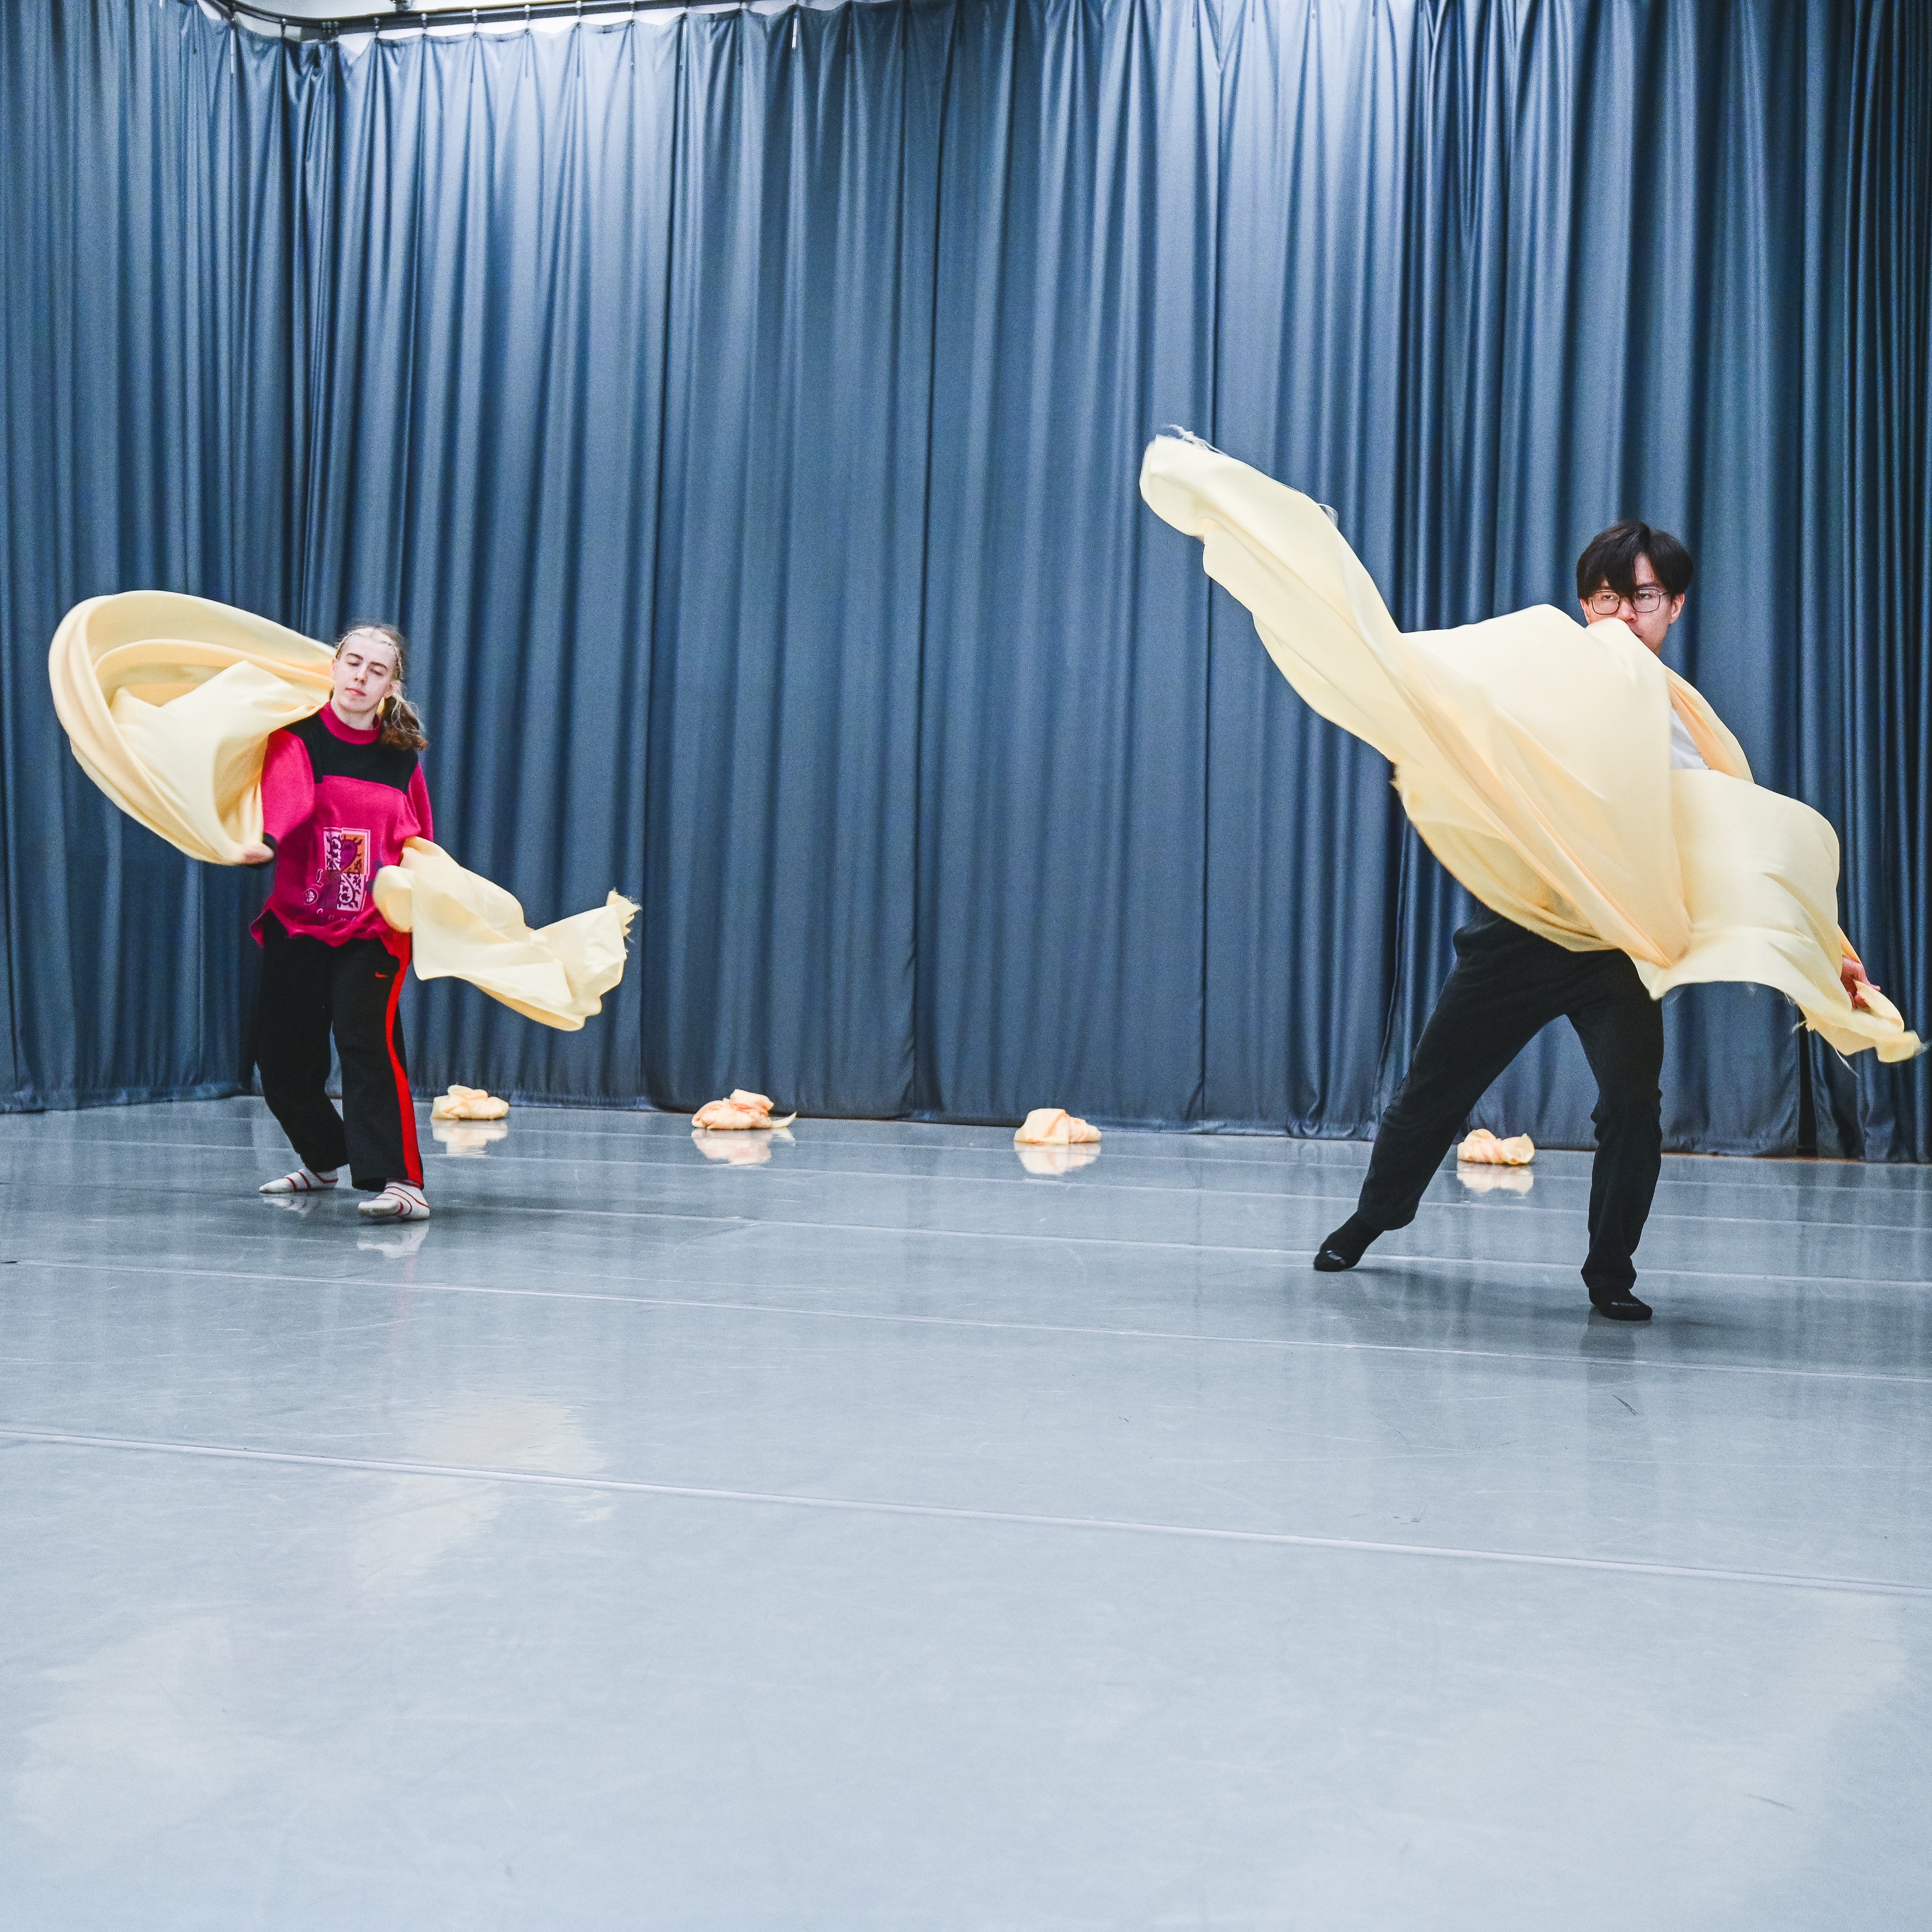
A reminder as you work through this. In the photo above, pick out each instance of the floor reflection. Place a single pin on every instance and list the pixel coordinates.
(1484, 1180)
(1053, 1162)
(738, 1147)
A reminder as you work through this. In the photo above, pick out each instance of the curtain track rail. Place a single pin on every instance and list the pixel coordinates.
(487, 13)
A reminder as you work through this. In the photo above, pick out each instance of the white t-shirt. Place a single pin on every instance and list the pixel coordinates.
(1684, 756)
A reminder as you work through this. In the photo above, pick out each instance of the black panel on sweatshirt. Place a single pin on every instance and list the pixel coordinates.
(377, 764)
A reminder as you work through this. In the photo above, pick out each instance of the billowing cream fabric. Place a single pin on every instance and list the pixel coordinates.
(463, 927)
(168, 701)
(1533, 755)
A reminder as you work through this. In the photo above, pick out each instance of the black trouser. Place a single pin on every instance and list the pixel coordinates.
(307, 987)
(1507, 986)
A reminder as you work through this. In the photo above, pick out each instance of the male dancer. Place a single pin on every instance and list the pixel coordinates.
(1508, 984)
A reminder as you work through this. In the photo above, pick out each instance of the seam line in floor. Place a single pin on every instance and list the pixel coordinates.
(453, 1471)
(1170, 1247)
(752, 1221)
(376, 1284)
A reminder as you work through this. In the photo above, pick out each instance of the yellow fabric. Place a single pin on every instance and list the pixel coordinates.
(463, 927)
(168, 702)
(739, 1112)
(1533, 756)
(467, 1103)
(1053, 1126)
(1485, 1149)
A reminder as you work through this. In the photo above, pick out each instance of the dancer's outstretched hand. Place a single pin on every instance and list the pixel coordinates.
(1851, 975)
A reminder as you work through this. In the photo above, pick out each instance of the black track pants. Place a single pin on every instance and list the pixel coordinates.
(308, 989)
(1507, 986)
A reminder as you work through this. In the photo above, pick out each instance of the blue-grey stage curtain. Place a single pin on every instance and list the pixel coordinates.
(743, 412)
(1062, 805)
(151, 430)
(489, 222)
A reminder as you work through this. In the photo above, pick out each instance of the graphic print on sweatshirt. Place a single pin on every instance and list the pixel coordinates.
(342, 885)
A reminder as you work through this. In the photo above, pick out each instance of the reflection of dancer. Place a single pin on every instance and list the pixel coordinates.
(341, 791)
(1508, 984)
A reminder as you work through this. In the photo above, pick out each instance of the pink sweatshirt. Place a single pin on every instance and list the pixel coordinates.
(336, 807)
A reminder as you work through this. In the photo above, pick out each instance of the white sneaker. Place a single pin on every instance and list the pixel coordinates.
(398, 1202)
(304, 1180)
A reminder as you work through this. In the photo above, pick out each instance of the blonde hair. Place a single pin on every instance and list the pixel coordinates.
(400, 725)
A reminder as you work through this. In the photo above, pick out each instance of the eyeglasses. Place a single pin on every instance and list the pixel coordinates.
(1646, 598)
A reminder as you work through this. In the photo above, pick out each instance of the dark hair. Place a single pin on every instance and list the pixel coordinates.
(1610, 557)
(400, 725)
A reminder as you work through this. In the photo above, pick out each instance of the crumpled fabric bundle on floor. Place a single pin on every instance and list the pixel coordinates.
(1532, 755)
(738, 1112)
(168, 701)
(467, 1103)
(1053, 1126)
(1484, 1147)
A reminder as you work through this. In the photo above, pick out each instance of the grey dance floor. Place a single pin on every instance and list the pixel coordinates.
(882, 1536)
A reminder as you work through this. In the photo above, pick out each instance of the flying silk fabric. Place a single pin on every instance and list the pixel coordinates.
(1532, 755)
(168, 700)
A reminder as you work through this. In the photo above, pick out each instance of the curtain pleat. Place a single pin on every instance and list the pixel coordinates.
(742, 411)
(1063, 747)
(147, 437)
(778, 946)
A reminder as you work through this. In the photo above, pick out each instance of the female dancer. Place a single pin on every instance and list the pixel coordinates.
(341, 792)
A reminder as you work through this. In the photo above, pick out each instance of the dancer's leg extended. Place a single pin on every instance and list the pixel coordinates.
(1622, 1028)
(1496, 1000)
(378, 1115)
(292, 1045)
(1507, 985)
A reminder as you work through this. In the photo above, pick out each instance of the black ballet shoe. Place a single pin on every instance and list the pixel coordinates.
(1619, 1304)
(1346, 1246)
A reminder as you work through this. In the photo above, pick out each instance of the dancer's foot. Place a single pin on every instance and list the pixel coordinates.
(1619, 1304)
(304, 1180)
(398, 1202)
(1346, 1246)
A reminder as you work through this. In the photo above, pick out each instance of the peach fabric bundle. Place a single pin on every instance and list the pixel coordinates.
(1533, 756)
(168, 702)
(1482, 1146)
(1053, 1126)
(739, 1111)
(467, 1103)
